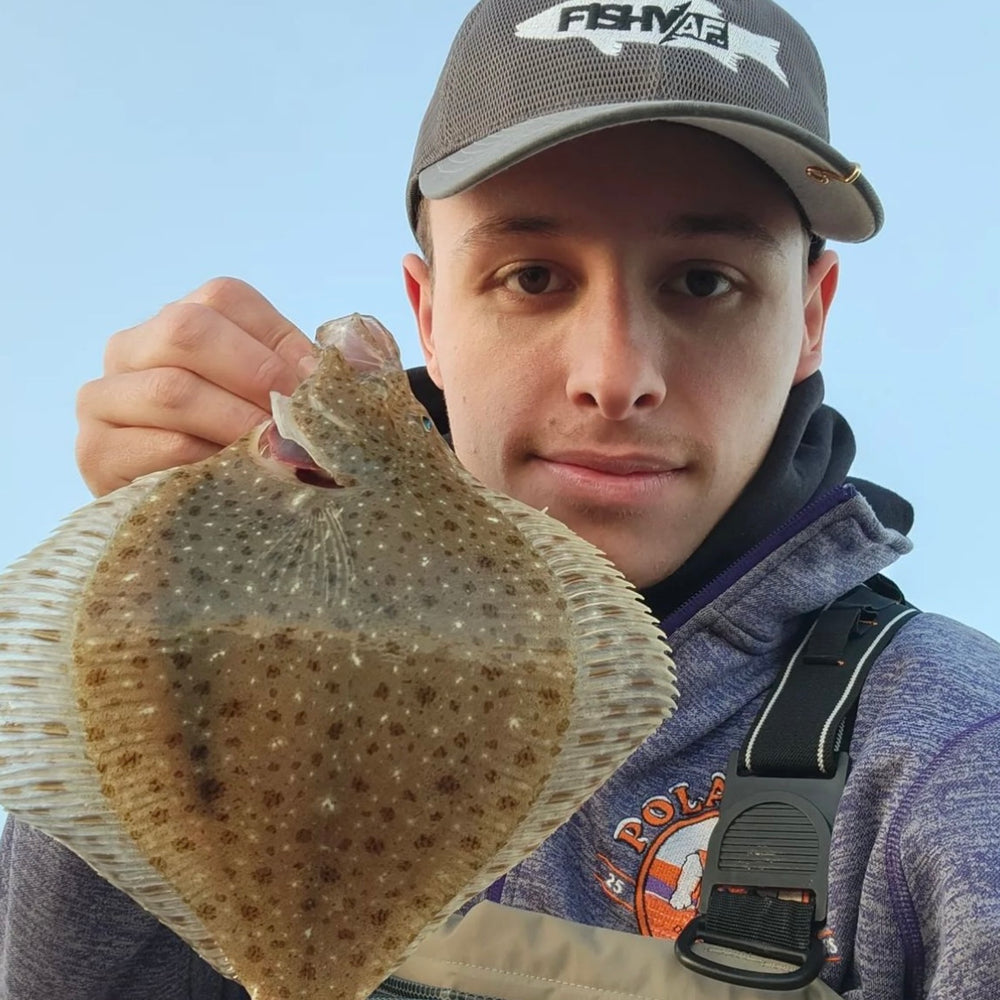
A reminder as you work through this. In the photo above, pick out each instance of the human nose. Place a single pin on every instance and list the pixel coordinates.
(615, 363)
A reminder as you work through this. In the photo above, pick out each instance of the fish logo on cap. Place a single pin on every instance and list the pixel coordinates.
(697, 25)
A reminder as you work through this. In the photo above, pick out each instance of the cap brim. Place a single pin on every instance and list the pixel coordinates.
(836, 209)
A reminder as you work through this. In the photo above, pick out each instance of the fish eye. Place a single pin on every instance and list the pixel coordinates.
(427, 422)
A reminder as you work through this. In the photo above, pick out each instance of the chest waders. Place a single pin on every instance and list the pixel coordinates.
(764, 889)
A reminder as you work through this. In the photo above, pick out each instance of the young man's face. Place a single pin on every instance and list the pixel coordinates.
(616, 324)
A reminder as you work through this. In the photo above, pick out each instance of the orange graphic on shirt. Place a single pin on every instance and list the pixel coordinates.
(668, 886)
(671, 835)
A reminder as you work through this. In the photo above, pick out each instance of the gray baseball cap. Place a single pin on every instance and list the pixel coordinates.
(524, 75)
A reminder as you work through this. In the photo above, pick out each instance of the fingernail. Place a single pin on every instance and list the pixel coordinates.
(306, 365)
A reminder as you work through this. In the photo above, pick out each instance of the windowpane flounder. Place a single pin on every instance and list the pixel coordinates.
(304, 698)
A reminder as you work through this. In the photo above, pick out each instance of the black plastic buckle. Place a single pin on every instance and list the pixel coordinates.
(796, 979)
(774, 833)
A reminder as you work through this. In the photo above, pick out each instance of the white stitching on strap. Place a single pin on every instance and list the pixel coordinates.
(820, 757)
(775, 696)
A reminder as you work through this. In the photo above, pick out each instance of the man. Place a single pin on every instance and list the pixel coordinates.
(622, 295)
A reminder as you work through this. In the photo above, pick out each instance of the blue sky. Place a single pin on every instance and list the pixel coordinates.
(150, 147)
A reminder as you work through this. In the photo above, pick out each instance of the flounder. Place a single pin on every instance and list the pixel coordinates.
(304, 698)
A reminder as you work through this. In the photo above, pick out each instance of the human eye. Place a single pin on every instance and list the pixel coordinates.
(532, 279)
(701, 283)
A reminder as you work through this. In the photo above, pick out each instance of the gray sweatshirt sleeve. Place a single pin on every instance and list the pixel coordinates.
(943, 871)
(917, 831)
(65, 932)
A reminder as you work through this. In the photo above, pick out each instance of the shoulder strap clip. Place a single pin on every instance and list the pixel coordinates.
(764, 888)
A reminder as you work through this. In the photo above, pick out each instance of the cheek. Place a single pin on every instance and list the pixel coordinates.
(737, 389)
(472, 375)
(473, 384)
(490, 370)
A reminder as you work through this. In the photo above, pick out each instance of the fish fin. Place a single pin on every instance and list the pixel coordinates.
(46, 777)
(625, 685)
(310, 560)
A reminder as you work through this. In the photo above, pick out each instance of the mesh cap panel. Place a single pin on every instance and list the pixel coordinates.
(523, 75)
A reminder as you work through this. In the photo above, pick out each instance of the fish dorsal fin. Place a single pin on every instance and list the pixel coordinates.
(612, 707)
(46, 778)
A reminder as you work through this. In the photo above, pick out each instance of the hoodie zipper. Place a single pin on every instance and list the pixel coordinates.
(813, 510)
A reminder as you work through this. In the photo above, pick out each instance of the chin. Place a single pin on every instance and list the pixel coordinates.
(641, 572)
(645, 576)
(623, 535)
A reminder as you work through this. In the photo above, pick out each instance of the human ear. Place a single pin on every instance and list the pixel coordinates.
(820, 287)
(417, 278)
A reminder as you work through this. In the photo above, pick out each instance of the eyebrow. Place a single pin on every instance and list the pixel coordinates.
(499, 226)
(736, 224)
(685, 226)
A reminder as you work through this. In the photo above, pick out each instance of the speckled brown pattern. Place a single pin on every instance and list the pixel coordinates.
(321, 712)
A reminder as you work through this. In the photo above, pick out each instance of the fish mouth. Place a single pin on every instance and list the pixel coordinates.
(290, 453)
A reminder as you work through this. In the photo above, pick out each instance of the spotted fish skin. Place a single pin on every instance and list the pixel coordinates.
(316, 715)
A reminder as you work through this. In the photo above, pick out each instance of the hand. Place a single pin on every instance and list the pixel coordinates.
(186, 383)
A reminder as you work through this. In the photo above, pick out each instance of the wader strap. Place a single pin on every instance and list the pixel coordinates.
(507, 954)
(802, 724)
(764, 889)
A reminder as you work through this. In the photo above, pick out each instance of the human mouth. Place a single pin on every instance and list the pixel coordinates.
(626, 478)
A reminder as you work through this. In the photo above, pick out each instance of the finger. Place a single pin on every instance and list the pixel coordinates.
(171, 399)
(192, 336)
(110, 457)
(244, 306)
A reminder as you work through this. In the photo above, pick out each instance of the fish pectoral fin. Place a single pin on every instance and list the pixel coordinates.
(310, 562)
